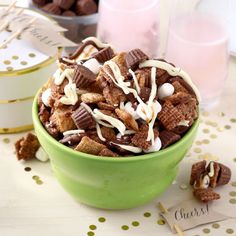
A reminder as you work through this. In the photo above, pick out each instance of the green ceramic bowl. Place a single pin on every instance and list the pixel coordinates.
(113, 183)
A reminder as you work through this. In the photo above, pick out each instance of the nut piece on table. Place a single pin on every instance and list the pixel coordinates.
(27, 147)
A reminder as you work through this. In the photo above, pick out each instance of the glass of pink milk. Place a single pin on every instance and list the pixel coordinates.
(198, 41)
(129, 24)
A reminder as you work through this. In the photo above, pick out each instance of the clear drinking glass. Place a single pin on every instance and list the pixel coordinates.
(198, 41)
(129, 24)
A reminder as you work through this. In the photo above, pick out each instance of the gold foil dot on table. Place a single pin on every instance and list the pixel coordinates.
(125, 227)
(232, 193)
(188, 154)
(206, 141)
(208, 156)
(93, 227)
(219, 129)
(161, 222)
(15, 57)
(233, 184)
(101, 219)
(206, 131)
(197, 150)
(39, 182)
(27, 169)
(35, 177)
(211, 123)
(31, 55)
(7, 62)
(227, 127)
(213, 136)
(233, 120)
(147, 214)
(205, 113)
(23, 63)
(6, 140)
(198, 142)
(215, 226)
(222, 114)
(183, 186)
(206, 231)
(229, 231)
(9, 68)
(90, 233)
(135, 223)
(232, 201)
(235, 159)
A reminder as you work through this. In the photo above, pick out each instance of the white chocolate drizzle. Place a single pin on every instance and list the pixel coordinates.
(173, 71)
(113, 121)
(184, 123)
(97, 42)
(99, 132)
(155, 147)
(59, 77)
(205, 182)
(71, 96)
(135, 81)
(129, 148)
(46, 96)
(212, 171)
(127, 132)
(74, 131)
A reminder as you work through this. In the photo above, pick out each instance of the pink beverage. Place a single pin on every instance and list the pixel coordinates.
(129, 24)
(199, 44)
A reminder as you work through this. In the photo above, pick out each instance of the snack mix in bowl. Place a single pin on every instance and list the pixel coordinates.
(117, 104)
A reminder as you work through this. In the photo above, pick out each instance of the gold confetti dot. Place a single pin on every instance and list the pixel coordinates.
(23, 63)
(234, 159)
(27, 169)
(219, 129)
(232, 194)
(6, 140)
(183, 186)
(101, 219)
(9, 68)
(188, 154)
(206, 231)
(211, 123)
(205, 113)
(213, 136)
(161, 222)
(135, 223)
(125, 227)
(35, 177)
(229, 231)
(206, 141)
(197, 150)
(15, 57)
(39, 182)
(198, 143)
(232, 201)
(233, 120)
(7, 62)
(222, 114)
(90, 233)
(227, 127)
(93, 227)
(31, 55)
(215, 226)
(208, 156)
(206, 131)
(233, 184)
(147, 214)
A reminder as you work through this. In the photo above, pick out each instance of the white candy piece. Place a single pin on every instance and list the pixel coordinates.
(129, 108)
(45, 97)
(71, 96)
(93, 65)
(165, 90)
(41, 155)
(184, 123)
(155, 147)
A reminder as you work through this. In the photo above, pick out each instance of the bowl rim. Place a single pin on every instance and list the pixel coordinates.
(162, 153)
